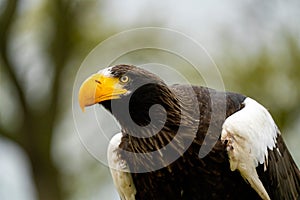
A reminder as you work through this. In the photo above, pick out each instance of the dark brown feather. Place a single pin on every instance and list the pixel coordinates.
(190, 177)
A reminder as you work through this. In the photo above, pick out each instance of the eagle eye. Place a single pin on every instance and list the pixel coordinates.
(124, 79)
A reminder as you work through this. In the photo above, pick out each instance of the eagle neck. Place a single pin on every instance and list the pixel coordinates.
(155, 116)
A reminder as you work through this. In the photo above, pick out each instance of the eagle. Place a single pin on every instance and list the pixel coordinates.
(164, 129)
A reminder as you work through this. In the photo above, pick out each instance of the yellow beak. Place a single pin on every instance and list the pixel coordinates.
(98, 88)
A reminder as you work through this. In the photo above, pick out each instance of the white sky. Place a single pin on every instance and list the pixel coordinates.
(15, 180)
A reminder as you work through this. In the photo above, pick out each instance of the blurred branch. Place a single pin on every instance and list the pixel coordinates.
(9, 135)
(60, 49)
(6, 21)
(7, 18)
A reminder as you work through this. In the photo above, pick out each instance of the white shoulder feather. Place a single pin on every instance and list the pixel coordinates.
(249, 133)
(120, 171)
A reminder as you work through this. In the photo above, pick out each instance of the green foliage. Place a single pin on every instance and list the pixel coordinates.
(271, 77)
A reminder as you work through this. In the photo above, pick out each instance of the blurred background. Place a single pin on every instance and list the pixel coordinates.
(255, 44)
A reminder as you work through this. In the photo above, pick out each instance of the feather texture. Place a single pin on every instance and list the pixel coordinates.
(187, 120)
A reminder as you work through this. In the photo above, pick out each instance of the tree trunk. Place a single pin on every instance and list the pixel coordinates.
(46, 179)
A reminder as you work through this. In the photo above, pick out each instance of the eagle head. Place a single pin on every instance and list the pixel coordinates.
(124, 89)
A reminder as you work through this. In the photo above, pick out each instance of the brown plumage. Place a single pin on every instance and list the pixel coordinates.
(188, 109)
